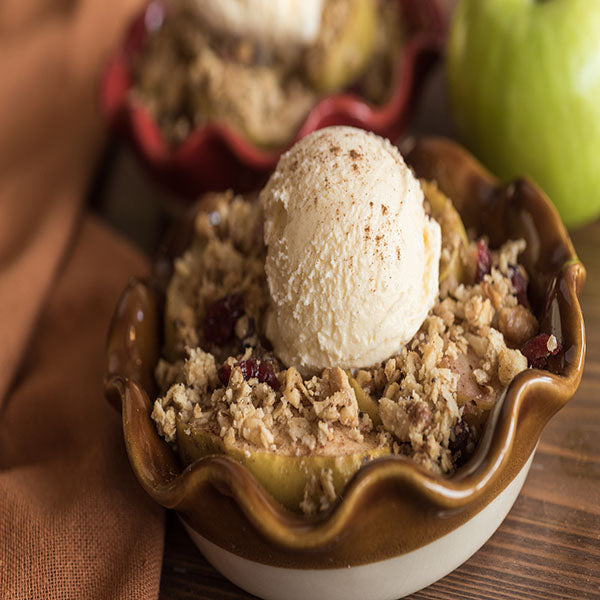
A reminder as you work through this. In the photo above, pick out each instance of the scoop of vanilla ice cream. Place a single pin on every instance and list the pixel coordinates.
(277, 22)
(352, 258)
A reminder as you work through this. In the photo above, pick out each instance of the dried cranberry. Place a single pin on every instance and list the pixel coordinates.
(252, 368)
(536, 351)
(520, 285)
(459, 446)
(484, 261)
(224, 374)
(221, 317)
(249, 368)
(266, 374)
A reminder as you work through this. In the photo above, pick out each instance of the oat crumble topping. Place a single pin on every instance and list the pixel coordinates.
(428, 403)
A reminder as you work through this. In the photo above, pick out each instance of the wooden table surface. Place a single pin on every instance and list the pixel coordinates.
(549, 545)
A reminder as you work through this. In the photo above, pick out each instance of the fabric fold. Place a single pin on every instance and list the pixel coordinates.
(74, 523)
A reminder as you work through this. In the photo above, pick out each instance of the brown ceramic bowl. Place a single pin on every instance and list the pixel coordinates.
(397, 526)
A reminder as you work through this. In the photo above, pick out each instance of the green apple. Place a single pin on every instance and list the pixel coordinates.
(524, 80)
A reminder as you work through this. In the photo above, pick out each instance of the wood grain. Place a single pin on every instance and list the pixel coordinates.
(549, 545)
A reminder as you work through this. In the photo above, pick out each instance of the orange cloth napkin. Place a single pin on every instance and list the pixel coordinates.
(73, 521)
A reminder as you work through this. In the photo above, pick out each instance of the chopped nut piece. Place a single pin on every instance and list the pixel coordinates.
(492, 294)
(517, 324)
(294, 388)
(165, 421)
(479, 313)
(510, 364)
(364, 379)
(405, 418)
(478, 343)
(391, 373)
(200, 370)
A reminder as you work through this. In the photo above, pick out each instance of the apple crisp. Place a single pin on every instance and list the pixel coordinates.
(428, 403)
(188, 75)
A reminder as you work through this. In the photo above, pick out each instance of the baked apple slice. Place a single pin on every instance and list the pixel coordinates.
(454, 236)
(344, 47)
(292, 480)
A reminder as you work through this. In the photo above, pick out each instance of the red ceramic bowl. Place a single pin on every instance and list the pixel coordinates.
(217, 157)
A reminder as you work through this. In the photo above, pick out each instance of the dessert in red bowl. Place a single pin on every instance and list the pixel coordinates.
(215, 152)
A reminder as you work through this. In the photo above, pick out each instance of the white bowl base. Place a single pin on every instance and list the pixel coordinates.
(383, 580)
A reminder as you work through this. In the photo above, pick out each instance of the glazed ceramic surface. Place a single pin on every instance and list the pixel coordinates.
(384, 580)
(392, 508)
(217, 157)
